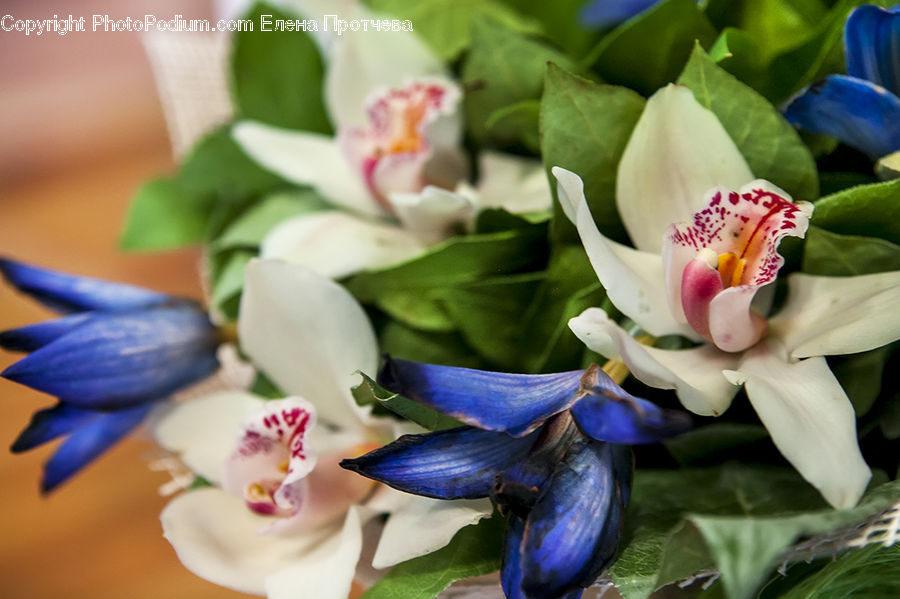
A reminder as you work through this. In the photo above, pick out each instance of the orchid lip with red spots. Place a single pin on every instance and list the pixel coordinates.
(272, 459)
(716, 263)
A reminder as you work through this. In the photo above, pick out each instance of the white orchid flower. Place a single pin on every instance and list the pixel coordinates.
(284, 519)
(395, 171)
(702, 253)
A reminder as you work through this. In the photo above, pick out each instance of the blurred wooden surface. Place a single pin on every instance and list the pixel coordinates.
(80, 128)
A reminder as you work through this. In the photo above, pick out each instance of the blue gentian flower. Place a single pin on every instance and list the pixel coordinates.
(117, 351)
(550, 450)
(862, 108)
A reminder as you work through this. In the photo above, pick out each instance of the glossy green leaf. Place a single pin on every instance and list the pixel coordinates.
(368, 392)
(401, 341)
(831, 254)
(771, 146)
(277, 75)
(737, 518)
(227, 273)
(475, 550)
(648, 51)
(518, 123)
(249, 229)
(163, 216)
(504, 67)
(584, 128)
(446, 25)
(456, 261)
(860, 376)
(870, 210)
(487, 315)
(710, 442)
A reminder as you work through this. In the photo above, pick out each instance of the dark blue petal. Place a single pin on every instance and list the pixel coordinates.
(495, 401)
(71, 293)
(872, 39)
(118, 360)
(623, 465)
(572, 534)
(519, 487)
(606, 412)
(35, 336)
(601, 14)
(51, 423)
(859, 113)
(511, 562)
(88, 442)
(454, 464)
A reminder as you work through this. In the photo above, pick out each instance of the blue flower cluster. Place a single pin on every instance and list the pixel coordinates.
(550, 450)
(117, 351)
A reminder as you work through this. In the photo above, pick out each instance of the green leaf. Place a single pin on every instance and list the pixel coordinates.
(504, 67)
(368, 392)
(860, 376)
(827, 253)
(737, 518)
(488, 313)
(518, 123)
(475, 550)
(745, 549)
(772, 147)
(421, 310)
(216, 166)
(446, 24)
(569, 287)
(584, 128)
(710, 442)
(254, 223)
(401, 341)
(648, 51)
(264, 387)
(163, 216)
(227, 273)
(561, 22)
(277, 75)
(456, 261)
(870, 210)
(872, 572)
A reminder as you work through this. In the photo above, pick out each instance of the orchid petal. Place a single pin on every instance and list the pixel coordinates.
(572, 533)
(736, 235)
(859, 113)
(518, 185)
(121, 359)
(364, 61)
(272, 458)
(695, 374)
(434, 213)
(308, 334)
(327, 571)
(72, 293)
(88, 442)
(336, 244)
(425, 525)
(35, 336)
(51, 423)
(204, 431)
(809, 417)
(307, 158)
(494, 401)
(215, 537)
(871, 37)
(825, 316)
(634, 280)
(606, 412)
(609, 13)
(459, 463)
(677, 152)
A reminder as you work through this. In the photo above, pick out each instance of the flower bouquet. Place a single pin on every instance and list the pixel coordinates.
(591, 295)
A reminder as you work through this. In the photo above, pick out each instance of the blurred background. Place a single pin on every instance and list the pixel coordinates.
(80, 128)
